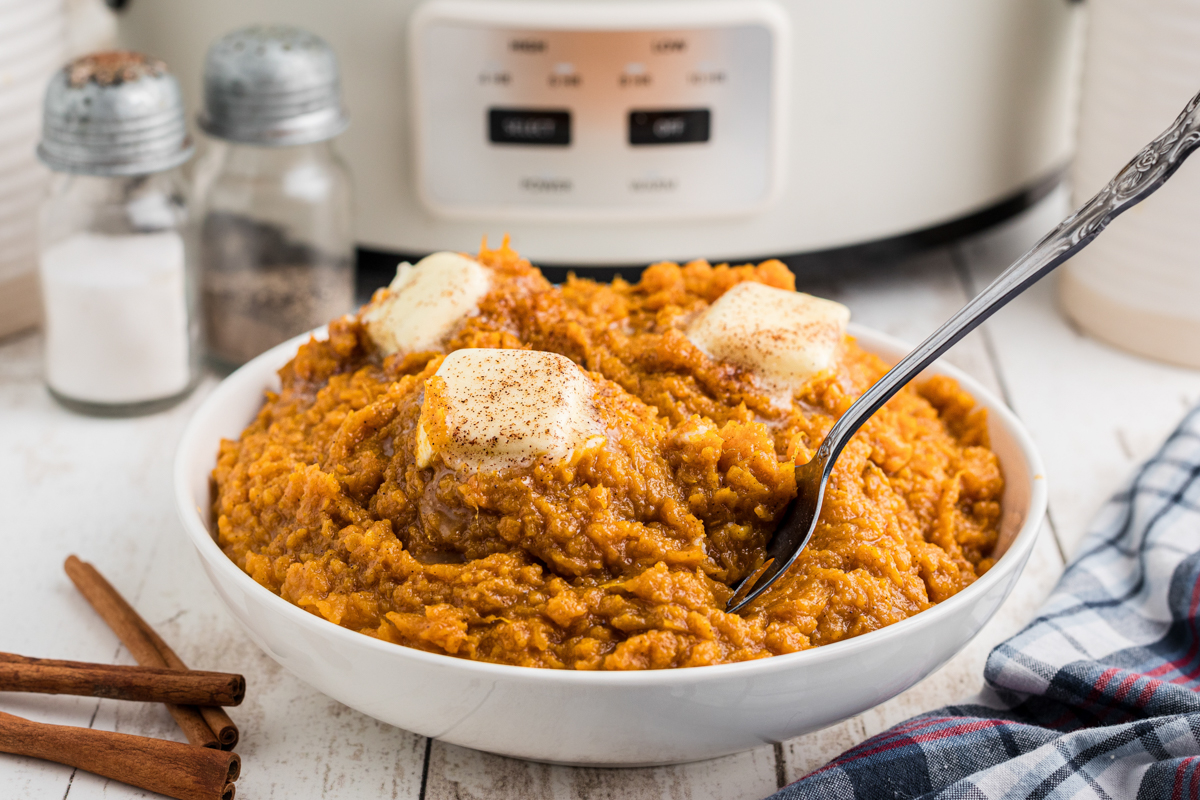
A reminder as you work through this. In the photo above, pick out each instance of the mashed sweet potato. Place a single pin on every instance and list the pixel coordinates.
(622, 556)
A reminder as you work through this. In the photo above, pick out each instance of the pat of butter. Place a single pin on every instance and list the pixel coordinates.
(490, 409)
(426, 303)
(782, 337)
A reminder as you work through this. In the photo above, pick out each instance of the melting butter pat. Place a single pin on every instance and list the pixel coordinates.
(426, 302)
(782, 337)
(490, 409)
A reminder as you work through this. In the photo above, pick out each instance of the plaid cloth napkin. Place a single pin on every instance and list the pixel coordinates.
(1097, 697)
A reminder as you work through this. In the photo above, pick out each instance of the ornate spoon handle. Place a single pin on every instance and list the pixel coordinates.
(1140, 178)
(1137, 181)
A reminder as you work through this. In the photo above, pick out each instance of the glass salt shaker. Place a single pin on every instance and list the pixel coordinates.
(276, 235)
(122, 335)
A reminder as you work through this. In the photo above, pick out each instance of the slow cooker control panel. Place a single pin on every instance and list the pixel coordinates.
(604, 110)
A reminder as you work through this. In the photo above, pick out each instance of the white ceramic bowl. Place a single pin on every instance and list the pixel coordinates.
(604, 718)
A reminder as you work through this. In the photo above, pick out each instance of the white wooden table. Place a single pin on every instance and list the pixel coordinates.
(102, 489)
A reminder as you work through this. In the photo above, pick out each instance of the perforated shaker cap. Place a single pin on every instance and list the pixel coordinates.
(114, 113)
(272, 85)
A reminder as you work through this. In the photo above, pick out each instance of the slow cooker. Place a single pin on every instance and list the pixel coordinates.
(616, 132)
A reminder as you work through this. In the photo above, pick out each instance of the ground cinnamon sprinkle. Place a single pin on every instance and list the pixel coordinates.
(113, 67)
(618, 557)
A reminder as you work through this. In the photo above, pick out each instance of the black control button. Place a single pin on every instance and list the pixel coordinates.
(676, 126)
(523, 126)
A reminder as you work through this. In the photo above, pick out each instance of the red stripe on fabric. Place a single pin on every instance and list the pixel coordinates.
(1100, 685)
(1124, 686)
(1179, 664)
(1187, 677)
(944, 733)
(1147, 692)
(1171, 666)
(958, 730)
(1063, 720)
(1167, 666)
(1127, 684)
(1193, 649)
(888, 736)
(1185, 773)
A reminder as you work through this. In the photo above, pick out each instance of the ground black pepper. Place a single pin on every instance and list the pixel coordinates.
(259, 287)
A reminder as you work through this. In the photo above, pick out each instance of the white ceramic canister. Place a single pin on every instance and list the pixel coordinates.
(32, 47)
(1138, 285)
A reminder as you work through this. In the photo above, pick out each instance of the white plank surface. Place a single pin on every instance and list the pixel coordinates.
(101, 488)
(455, 772)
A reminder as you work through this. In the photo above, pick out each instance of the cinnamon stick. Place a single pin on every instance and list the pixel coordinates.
(178, 770)
(147, 684)
(132, 630)
(220, 723)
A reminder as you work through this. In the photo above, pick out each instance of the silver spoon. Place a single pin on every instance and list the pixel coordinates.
(1137, 181)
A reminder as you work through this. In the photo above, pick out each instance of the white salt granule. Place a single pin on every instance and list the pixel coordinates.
(116, 317)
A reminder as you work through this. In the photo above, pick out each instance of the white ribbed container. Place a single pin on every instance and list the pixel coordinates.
(32, 47)
(1138, 285)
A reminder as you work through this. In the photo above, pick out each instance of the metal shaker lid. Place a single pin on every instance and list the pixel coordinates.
(274, 85)
(114, 113)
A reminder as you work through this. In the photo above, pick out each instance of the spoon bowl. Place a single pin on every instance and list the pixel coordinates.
(1139, 179)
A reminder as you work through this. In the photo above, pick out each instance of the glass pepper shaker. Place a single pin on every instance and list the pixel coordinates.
(274, 200)
(122, 336)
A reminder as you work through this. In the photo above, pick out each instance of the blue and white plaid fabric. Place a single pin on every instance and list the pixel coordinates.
(1097, 697)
